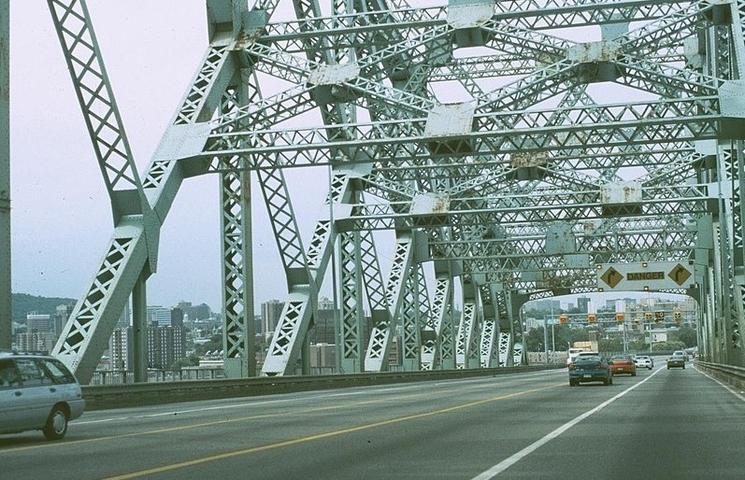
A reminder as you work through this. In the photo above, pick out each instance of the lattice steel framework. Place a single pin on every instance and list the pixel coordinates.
(488, 135)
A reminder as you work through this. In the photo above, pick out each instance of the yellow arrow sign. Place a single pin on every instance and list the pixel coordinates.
(612, 277)
(679, 274)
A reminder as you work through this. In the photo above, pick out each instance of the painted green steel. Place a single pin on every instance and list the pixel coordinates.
(515, 192)
(5, 248)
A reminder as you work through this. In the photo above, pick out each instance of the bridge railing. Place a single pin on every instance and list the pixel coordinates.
(727, 373)
(100, 397)
(119, 377)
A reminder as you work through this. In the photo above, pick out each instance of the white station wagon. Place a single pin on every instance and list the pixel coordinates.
(37, 392)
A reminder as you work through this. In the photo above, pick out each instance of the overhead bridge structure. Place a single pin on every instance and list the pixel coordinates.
(513, 146)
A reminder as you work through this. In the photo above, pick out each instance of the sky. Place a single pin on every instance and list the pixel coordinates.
(61, 220)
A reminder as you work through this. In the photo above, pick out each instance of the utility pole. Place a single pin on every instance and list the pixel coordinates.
(6, 320)
(545, 337)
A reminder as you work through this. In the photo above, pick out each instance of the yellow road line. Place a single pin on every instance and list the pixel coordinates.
(204, 424)
(319, 436)
(209, 424)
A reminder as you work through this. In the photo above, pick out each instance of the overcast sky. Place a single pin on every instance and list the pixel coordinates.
(61, 216)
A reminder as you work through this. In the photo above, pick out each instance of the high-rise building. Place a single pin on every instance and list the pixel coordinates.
(177, 317)
(40, 323)
(120, 349)
(270, 312)
(59, 320)
(583, 304)
(165, 345)
(323, 356)
(159, 315)
(258, 325)
(323, 330)
(124, 318)
(35, 341)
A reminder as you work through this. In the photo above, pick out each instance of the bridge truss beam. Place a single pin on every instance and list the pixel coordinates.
(500, 165)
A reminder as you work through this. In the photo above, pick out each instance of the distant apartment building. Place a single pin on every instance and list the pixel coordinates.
(583, 304)
(35, 341)
(270, 312)
(323, 356)
(165, 346)
(39, 323)
(324, 328)
(124, 318)
(159, 315)
(177, 317)
(120, 349)
(60, 317)
(258, 325)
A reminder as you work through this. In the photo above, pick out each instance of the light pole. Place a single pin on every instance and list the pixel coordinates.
(545, 337)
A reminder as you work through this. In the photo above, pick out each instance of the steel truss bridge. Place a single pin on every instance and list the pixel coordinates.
(473, 130)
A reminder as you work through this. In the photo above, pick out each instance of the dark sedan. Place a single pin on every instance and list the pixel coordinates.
(676, 361)
(590, 369)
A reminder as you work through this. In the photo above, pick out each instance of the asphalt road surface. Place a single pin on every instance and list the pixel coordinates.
(661, 424)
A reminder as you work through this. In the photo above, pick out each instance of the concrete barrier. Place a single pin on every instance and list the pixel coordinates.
(99, 397)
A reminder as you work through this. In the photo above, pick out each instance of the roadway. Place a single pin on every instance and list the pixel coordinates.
(659, 424)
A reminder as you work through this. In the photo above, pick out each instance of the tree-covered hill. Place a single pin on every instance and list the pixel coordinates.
(24, 303)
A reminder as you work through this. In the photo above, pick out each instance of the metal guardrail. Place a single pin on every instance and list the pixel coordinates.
(100, 397)
(727, 373)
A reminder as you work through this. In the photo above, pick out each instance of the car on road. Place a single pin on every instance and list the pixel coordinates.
(644, 361)
(622, 364)
(676, 361)
(590, 368)
(681, 353)
(37, 392)
(573, 356)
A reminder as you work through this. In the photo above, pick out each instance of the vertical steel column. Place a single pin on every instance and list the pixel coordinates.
(466, 350)
(139, 328)
(433, 346)
(349, 327)
(489, 327)
(239, 333)
(409, 321)
(239, 329)
(381, 336)
(6, 321)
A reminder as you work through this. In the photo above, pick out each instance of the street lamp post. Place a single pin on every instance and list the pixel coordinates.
(545, 337)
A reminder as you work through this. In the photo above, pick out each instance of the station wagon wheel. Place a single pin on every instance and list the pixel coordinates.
(56, 426)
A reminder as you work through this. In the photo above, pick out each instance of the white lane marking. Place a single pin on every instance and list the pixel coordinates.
(542, 373)
(720, 383)
(86, 422)
(257, 403)
(508, 462)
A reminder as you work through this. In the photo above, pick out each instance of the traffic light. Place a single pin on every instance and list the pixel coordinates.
(563, 319)
(592, 318)
(678, 317)
(647, 316)
(659, 317)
